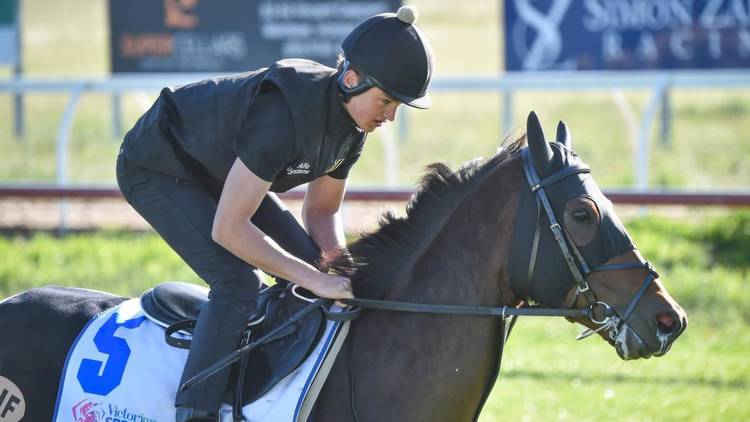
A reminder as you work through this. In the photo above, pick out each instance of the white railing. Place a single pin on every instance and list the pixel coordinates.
(657, 82)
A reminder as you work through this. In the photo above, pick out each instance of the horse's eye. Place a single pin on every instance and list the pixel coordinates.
(582, 215)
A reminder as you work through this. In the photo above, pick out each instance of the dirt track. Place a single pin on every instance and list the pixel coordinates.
(45, 214)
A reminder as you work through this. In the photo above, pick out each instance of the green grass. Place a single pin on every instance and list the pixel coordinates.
(123, 263)
(547, 375)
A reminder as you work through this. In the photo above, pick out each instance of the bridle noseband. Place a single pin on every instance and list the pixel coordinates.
(577, 265)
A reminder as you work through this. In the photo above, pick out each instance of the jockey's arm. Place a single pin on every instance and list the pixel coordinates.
(233, 230)
(321, 213)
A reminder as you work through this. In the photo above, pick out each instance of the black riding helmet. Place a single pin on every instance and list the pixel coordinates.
(390, 52)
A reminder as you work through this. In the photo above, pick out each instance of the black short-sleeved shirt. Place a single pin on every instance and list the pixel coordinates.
(268, 147)
(286, 123)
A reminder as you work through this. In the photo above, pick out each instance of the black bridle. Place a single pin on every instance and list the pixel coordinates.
(577, 265)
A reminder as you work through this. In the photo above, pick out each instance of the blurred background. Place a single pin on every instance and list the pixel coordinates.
(656, 94)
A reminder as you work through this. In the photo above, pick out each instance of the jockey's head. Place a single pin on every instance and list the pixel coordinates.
(390, 52)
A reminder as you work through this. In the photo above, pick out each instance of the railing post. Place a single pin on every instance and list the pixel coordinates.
(403, 124)
(116, 115)
(641, 162)
(665, 132)
(390, 147)
(18, 118)
(507, 113)
(61, 150)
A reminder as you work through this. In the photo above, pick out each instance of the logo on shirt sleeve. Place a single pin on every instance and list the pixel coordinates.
(302, 168)
(334, 166)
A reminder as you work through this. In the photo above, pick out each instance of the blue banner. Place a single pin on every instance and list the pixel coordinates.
(230, 35)
(626, 34)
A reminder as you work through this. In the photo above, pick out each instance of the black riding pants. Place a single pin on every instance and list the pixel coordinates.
(182, 212)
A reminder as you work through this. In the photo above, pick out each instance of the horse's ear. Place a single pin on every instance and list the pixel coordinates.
(538, 146)
(563, 135)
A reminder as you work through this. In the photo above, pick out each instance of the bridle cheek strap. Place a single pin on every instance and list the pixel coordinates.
(579, 274)
(537, 187)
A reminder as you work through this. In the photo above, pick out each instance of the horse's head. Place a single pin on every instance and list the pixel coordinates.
(571, 250)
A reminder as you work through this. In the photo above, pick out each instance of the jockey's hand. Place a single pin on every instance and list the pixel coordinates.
(331, 286)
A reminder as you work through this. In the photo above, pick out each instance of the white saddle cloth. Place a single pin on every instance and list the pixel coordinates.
(119, 369)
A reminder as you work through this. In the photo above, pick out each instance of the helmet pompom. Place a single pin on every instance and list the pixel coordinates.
(407, 14)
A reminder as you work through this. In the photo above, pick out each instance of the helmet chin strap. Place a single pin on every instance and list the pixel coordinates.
(346, 92)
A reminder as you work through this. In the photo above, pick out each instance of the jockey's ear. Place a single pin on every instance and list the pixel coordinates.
(350, 78)
(538, 146)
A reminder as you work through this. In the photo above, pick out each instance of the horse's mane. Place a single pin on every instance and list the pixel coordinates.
(375, 257)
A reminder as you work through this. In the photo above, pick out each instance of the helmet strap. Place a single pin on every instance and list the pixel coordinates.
(346, 93)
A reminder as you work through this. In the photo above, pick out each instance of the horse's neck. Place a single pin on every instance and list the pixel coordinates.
(437, 367)
(465, 262)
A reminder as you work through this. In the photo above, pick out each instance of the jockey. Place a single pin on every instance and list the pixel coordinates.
(203, 164)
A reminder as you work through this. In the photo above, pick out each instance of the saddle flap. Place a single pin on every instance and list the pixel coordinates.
(273, 361)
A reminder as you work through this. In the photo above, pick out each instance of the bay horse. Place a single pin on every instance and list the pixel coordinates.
(528, 226)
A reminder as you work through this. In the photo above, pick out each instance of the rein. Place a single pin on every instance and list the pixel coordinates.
(500, 311)
(577, 265)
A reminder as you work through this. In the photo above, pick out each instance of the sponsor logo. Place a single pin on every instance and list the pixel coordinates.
(12, 403)
(302, 168)
(90, 411)
(180, 14)
(87, 411)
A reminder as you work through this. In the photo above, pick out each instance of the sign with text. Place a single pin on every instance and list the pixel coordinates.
(8, 32)
(230, 35)
(626, 34)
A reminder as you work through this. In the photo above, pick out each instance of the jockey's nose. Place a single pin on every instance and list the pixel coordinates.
(391, 114)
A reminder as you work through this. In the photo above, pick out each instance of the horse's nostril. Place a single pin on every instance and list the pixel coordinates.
(667, 322)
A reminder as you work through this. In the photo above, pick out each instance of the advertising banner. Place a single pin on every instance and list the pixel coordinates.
(626, 34)
(230, 35)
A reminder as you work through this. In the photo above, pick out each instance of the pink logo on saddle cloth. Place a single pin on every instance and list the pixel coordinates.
(87, 411)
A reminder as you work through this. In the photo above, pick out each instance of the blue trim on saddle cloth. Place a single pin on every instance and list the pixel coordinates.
(67, 360)
(326, 347)
(120, 368)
